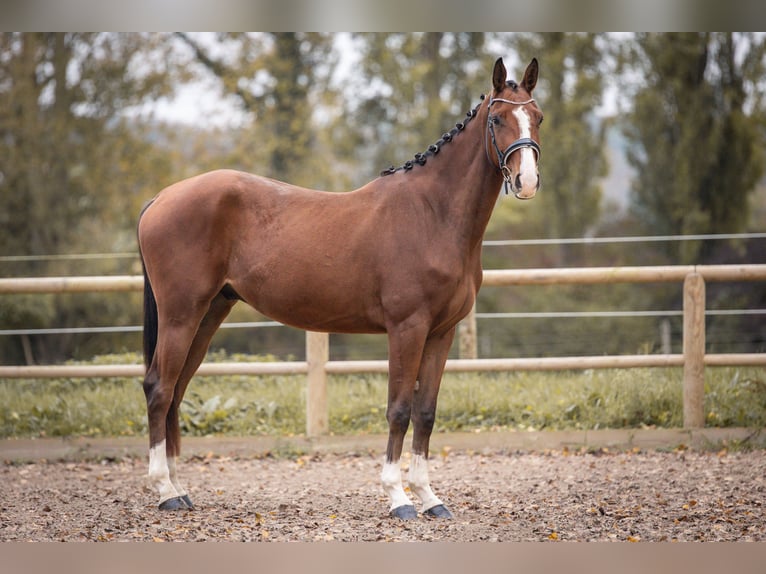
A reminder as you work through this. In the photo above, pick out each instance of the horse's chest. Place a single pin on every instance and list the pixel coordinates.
(452, 297)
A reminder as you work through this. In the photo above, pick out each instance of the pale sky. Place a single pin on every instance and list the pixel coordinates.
(203, 101)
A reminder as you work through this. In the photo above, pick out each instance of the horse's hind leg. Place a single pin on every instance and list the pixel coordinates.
(174, 340)
(423, 416)
(219, 309)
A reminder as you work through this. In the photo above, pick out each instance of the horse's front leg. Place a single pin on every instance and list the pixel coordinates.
(423, 416)
(405, 349)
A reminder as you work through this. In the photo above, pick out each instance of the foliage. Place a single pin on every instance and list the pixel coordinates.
(79, 155)
(63, 141)
(279, 79)
(72, 171)
(697, 124)
(410, 88)
(571, 87)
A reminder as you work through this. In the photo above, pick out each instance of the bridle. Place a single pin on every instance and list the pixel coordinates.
(502, 156)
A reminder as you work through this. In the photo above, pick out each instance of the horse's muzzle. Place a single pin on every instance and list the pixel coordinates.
(522, 191)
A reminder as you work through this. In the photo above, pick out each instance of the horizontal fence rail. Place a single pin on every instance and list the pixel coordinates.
(317, 365)
(381, 366)
(493, 277)
(18, 285)
(648, 274)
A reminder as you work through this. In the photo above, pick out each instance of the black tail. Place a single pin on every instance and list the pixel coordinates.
(150, 311)
(150, 321)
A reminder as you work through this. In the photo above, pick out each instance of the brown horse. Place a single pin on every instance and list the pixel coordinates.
(401, 255)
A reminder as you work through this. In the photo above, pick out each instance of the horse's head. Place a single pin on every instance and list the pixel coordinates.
(513, 123)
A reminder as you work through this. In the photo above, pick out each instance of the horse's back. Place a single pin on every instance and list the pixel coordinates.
(201, 193)
(272, 242)
(312, 259)
(215, 204)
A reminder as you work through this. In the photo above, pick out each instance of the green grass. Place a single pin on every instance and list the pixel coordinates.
(275, 405)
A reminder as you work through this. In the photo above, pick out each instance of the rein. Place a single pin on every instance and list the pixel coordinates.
(502, 156)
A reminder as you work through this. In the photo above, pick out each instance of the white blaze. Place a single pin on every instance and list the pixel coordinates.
(528, 164)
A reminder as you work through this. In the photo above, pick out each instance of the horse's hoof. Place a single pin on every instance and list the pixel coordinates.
(188, 502)
(438, 511)
(404, 512)
(176, 503)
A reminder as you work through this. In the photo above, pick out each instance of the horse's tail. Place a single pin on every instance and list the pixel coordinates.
(150, 310)
(150, 321)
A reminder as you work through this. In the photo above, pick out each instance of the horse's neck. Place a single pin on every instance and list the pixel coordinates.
(464, 184)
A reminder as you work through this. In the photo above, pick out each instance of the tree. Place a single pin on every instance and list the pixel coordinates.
(72, 171)
(409, 89)
(571, 88)
(280, 79)
(696, 128)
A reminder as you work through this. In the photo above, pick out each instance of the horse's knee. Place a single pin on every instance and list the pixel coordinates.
(398, 417)
(425, 419)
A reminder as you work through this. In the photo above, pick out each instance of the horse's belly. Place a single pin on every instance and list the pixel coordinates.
(314, 306)
(320, 318)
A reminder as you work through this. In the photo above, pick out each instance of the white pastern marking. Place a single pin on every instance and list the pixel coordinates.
(419, 483)
(159, 472)
(528, 165)
(174, 477)
(391, 478)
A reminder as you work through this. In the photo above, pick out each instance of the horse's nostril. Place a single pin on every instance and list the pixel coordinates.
(517, 182)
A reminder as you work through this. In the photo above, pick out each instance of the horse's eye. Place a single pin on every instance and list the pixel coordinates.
(540, 122)
(495, 120)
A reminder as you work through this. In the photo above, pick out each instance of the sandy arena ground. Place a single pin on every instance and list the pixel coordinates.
(496, 495)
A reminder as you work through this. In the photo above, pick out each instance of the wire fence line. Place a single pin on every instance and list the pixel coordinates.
(67, 257)
(125, 329)
(634, 239)
(486, 243)
(531, 315)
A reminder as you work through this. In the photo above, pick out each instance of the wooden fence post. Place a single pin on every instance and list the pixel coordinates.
(694, 351)
(467, 347)
(666, 341)
(317, 355)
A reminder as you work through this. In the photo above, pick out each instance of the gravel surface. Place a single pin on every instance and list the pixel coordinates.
(545, 496)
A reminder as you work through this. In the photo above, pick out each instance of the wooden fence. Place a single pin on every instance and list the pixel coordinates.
(317, 365)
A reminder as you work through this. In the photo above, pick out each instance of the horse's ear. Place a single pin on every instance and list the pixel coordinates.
(498, 76)
(530, 76)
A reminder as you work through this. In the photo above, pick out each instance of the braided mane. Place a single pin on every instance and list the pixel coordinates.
(433, 149)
